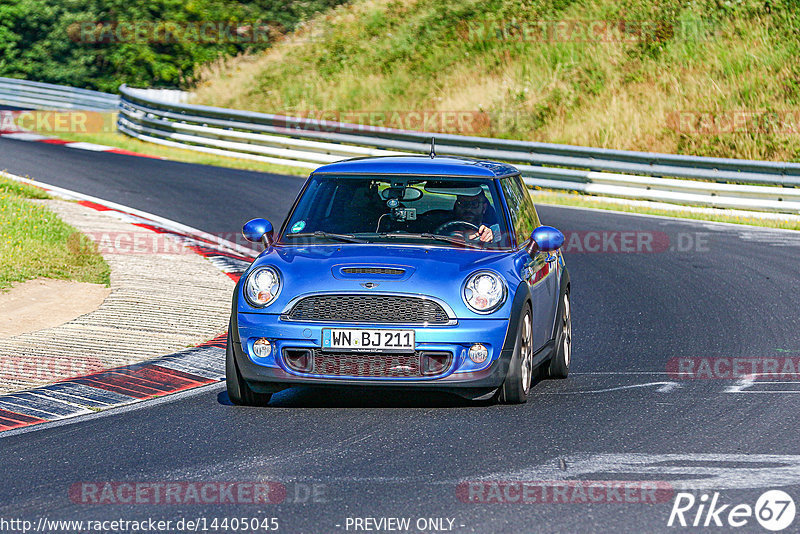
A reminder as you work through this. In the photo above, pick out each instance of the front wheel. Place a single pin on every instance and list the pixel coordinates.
(517, 384)
(239, 391)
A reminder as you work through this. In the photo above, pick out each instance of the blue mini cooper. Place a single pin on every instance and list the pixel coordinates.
(408, 272)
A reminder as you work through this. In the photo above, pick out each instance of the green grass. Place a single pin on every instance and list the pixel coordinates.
(624, 93)
(35, 243)
(124, 142)
(586, 201)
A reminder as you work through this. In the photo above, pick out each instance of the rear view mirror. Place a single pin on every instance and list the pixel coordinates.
(408, 194)
(258, 230)
(547, 238)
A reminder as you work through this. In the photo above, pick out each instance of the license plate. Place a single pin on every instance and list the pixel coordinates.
(367, 340)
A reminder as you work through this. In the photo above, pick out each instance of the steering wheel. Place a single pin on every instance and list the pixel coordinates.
(442, 227)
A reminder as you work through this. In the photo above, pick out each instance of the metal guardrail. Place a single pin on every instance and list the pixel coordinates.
(37, 95)
(308, 143)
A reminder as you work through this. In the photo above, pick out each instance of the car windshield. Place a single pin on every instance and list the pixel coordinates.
(448, 211)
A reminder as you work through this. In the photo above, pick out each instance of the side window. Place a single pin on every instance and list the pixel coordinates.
(523, 214)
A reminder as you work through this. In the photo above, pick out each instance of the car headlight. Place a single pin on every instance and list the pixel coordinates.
(484, 292)
(262, 286)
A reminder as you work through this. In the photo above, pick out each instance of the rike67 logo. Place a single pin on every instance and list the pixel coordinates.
(774, 510)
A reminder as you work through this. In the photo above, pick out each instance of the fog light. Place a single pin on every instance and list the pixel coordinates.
(478, 353)
(262, 348)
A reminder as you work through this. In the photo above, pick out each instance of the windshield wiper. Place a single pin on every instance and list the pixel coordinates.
(435, 237)
(347, 238)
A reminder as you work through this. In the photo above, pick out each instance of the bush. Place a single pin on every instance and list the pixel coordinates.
(40, 39)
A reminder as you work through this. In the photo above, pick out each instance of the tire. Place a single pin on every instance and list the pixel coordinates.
(238, 390)
(559, 363)
(518, 381)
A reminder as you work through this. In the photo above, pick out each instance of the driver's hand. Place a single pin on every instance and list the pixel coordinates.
(484, 233)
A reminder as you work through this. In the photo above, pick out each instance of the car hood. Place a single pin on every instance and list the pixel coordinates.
(434, 271)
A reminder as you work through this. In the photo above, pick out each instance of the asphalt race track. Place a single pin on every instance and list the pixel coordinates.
(197, 195)
(705, 291)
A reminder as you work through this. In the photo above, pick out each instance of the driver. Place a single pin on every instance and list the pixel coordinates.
(476, 210)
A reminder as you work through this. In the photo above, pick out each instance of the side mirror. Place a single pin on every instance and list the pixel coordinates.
(547, 239)
(258, 230)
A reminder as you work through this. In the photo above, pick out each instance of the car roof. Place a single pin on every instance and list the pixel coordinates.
(419, 165)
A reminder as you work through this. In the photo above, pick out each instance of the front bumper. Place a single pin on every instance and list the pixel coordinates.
(463, 376)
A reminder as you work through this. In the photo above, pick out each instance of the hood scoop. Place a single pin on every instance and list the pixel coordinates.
(372, 272)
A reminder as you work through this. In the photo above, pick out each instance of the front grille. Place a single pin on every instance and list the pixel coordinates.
(373, 270)
(368, 309)
(366, 365)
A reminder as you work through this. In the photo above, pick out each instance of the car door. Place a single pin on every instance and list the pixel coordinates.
(540, 275)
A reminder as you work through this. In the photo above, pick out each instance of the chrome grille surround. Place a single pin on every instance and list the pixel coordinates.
(369, 308)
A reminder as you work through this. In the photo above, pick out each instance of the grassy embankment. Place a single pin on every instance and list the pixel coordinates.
(616, 88)
(625, 89)
(35, 243)
(634, 89)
